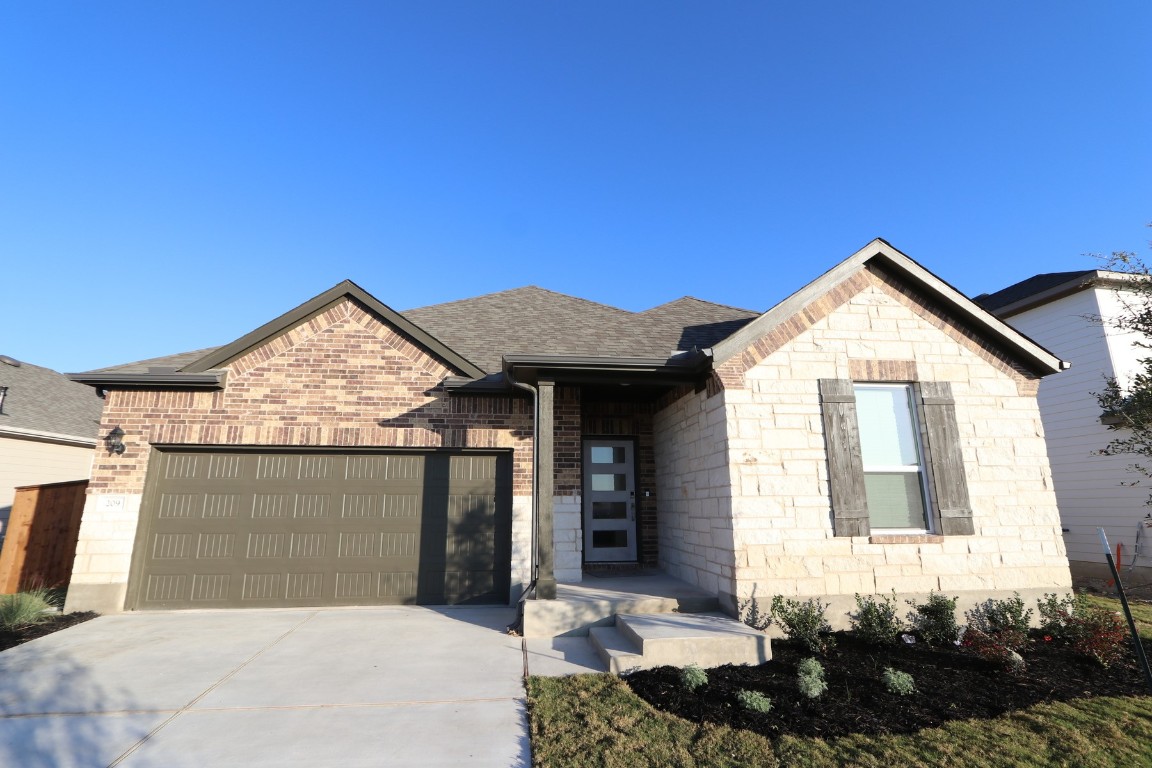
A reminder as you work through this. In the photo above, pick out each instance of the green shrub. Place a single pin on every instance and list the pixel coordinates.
(994, 616)
(875, 621)
(935, 620)
(754, 701)
(693, 677)
(24, 608)
(1097, 633)
(1056, 614)
(899, 683)
(804, 621)
(810, 678)
(1089, 629)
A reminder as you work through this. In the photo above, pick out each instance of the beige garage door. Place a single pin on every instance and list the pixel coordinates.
(265, 529)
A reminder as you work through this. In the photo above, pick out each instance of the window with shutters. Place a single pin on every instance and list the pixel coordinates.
(888, 445)
(893, 464)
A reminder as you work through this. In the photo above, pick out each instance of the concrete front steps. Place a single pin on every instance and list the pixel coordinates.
(597, 601)
(644, 641)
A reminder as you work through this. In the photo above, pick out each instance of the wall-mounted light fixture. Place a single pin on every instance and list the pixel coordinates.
(114, 440)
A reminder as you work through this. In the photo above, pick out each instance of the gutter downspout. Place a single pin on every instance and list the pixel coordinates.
(535, 572)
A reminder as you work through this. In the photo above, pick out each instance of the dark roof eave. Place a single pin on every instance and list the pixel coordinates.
(684, 366)
(207, 380)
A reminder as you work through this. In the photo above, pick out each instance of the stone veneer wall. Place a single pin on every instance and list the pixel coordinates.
(694, 489)
(341, 379)
(752, 449)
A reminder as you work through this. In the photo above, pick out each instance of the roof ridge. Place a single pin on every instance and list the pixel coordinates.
(701, 301)
(523, 288)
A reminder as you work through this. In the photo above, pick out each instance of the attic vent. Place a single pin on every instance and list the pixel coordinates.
(10, 361)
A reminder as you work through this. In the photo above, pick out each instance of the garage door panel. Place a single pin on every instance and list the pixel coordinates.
(266, 529)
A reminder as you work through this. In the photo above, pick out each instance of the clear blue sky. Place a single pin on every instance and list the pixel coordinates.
(173, 175)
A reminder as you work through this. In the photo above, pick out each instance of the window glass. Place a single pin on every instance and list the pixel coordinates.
(609, 482)
(607, 454)
(887, 437)
(895, 499)
(893, 463)
(609, 539)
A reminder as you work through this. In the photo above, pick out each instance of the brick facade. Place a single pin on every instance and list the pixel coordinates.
(340, 379)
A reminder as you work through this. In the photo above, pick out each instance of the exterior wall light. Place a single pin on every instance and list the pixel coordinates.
(115, 441)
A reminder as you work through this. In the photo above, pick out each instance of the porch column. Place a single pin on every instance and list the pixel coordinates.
(545, 487)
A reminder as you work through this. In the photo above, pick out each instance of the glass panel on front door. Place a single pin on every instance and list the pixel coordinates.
(609, 501)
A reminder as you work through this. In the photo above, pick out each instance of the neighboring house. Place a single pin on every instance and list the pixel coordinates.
(1059, 310)
(48, 428)
(874, 431)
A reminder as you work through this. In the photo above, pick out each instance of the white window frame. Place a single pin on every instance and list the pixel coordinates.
(921, 468)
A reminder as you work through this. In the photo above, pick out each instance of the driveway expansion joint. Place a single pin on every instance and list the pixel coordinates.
(208, 690)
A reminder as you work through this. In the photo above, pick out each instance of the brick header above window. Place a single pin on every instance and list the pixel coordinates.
(882, 370)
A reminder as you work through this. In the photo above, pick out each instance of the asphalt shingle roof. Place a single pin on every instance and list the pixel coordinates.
(1025, 288)
(536, 320)
(168, 361)
(533, 320)
(43, 400)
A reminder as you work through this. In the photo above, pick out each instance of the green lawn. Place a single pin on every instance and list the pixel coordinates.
(596, 720)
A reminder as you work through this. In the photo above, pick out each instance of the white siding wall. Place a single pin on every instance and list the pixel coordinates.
(29, 462)
(1090, 488)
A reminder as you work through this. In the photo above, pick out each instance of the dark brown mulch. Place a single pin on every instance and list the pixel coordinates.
(14, 637)
(950, 685)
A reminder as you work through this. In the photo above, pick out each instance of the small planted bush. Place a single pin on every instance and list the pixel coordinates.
(810, 678)
(997, 629)
(1007, 618)
(935, 620)
(875, 621)
(1097, 633)
(24, 608)
(1056, 615)
(754, 701)
(997, 647)
(899, 683)
(693, 677)
(1090, 630)
(804, 621)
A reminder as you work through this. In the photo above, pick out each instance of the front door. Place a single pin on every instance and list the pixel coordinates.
(609, 501)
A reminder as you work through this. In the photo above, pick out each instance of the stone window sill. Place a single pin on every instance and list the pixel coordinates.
(912, 538)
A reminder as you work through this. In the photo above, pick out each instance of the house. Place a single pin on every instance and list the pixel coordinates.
(1058, 310)
(48, 427)
(876, 430)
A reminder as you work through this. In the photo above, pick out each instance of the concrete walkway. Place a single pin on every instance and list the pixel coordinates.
(332, 687)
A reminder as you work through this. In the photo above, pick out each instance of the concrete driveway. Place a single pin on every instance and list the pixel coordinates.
(309, 687)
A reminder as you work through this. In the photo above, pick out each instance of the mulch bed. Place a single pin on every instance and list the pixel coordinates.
(14, 637)
(950, 685)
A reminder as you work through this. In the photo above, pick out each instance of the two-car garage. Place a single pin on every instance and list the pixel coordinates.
(266, 528)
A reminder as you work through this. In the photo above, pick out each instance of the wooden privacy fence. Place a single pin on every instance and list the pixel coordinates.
(41, 539)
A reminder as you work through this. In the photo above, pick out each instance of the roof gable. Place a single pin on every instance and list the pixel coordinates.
(881, 255)
(344, 290)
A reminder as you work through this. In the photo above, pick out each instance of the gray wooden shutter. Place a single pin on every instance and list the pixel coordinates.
(947, 461)
(845, 464)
